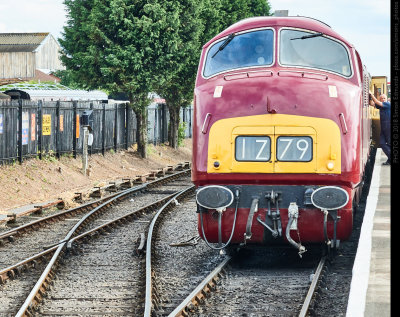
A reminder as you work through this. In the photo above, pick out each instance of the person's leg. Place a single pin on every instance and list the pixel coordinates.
(385, 139)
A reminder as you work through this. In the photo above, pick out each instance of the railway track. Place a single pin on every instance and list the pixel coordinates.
(30, 223)
(18, 245)
(115, 281)
(102, 277)
(274, 282)
(96, 217)
(255, 289)
(180, 265)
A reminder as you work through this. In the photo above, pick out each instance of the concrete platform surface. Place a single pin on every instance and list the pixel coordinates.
(370, 285)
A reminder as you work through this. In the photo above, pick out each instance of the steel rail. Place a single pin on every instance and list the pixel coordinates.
(11, 271)
(313, 287)
(198, 294)
(119, 219)
(9, 235)
(149, 246)
(41, 285)
(21, 229)
(15, 269)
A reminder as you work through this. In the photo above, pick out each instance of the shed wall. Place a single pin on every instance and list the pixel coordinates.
(17, 64)
(48, 55)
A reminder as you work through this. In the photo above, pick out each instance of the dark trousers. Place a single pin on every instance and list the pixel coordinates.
(384, 140)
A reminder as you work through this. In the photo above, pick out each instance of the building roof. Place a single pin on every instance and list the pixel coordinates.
(4, 96)
(42, 75)
(21, 42)
(8, 81)
(53, 95)
(50, 92)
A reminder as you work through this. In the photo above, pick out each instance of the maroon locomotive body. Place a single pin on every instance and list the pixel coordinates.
(281, 133)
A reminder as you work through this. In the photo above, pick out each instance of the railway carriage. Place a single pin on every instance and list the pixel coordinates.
(281, 134)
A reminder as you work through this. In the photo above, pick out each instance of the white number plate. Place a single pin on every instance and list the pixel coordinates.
(253, 148)
(294, 148)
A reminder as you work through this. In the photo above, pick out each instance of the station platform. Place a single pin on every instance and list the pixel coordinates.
(370, 286)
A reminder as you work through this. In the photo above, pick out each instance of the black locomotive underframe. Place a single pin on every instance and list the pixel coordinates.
(272, 198)
(286, 195)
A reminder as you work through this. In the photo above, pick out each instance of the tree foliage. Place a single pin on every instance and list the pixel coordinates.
(216, 15)
(145, 46)
(121, 45)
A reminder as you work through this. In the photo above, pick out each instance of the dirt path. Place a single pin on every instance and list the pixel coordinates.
(37, 180)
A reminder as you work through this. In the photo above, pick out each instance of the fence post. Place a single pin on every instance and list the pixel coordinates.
(74, 103)
(40, 128)
(155, 125)
(91, 146)
(58, 129)
(127, 126)
(20, 130)
(103, 142)
(166, 133)
(116, 128)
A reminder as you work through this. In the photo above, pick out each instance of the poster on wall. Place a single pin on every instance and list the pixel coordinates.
(33, 127)
(25, 127)
(78, 127)
(46, 124)
(61, 123)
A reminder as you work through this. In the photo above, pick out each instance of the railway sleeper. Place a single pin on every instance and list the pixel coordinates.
(200, 299)
(38, 211)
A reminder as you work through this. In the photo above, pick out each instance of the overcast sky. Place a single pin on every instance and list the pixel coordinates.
(364, 23)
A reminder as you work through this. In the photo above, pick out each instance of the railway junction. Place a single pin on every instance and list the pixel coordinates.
(136, 252)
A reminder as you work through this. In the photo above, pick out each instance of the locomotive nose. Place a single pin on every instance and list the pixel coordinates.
(214, 197)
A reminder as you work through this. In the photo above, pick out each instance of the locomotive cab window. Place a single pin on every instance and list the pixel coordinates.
(250, 49)
(314, 50)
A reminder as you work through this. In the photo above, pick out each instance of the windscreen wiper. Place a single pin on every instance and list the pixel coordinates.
(223, 45)
(308, 36)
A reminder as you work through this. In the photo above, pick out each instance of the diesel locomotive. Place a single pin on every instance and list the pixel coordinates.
(281, 134)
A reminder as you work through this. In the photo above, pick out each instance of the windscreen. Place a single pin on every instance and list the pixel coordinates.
(241, 50)
(306, 49)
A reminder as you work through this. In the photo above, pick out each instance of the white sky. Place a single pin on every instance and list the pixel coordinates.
(364, 23)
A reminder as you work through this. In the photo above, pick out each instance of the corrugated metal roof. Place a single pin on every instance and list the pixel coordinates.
(63, 95)
(34, 86)
(21, 42)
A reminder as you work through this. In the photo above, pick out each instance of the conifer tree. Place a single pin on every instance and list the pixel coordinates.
(216, 15)
(122, 45)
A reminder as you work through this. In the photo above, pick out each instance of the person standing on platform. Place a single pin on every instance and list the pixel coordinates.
(384, 112)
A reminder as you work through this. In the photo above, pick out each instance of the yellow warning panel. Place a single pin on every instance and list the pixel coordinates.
(46, 124)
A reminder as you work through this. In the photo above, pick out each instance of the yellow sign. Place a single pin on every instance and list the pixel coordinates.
(46, 124)
(61, 128)
(78, 127)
